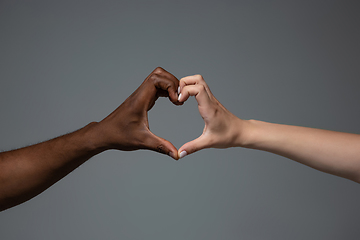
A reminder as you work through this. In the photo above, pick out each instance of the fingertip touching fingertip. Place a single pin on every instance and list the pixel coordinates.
(182, 154)
(171, 154)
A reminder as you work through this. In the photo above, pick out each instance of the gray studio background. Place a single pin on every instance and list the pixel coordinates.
(64, 64)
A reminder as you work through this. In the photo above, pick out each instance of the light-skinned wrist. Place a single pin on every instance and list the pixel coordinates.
(247, 133)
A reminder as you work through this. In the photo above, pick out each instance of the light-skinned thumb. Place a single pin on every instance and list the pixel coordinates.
(193, 146)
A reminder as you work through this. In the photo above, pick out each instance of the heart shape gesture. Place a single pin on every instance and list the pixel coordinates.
(222, 128)
(127, 128)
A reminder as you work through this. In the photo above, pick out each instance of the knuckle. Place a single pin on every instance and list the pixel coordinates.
(199, 77)
(158, 70)
(201, 88)
(154, 78)
(160, 148)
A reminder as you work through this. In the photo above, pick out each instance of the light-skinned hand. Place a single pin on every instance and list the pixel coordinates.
(221, 126)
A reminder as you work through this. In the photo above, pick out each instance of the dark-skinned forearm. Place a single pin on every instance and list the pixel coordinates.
(26, 172)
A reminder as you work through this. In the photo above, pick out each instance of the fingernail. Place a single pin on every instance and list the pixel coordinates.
(183, 154)
(179, 90)
(171, 154)
(179, 97)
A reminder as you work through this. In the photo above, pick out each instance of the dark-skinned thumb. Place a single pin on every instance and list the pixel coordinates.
(161, 145)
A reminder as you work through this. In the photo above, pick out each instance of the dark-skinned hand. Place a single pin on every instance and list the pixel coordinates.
(127, 128)
(26, 172)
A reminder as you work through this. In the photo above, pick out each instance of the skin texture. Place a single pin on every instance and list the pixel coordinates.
(332, 152)
(127, 128)
(221, 125)
(26, 172)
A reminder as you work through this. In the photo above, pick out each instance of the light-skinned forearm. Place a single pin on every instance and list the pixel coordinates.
(28, 171)
(332, 152)
(328, 151)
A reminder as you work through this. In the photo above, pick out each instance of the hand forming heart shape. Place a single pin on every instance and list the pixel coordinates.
(222, 128)
(127, 128)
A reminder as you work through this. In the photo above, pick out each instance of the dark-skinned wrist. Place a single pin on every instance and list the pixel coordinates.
(93, 139)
